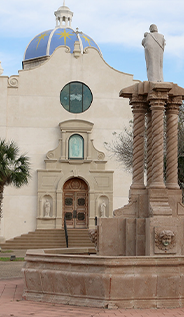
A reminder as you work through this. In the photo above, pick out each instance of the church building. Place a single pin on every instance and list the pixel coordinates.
(59, 110)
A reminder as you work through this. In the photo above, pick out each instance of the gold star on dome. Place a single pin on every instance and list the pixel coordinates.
(87, 39)
(41, 37)
(65, 35)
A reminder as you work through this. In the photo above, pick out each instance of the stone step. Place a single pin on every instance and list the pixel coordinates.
(52, 238)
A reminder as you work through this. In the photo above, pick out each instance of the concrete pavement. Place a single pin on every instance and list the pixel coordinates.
(11, 303)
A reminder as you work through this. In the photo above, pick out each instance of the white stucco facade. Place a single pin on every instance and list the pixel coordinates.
(31, 113)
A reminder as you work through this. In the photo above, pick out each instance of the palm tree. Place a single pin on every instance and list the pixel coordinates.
(14, 169)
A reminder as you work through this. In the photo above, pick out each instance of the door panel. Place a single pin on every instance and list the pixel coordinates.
(69, 203)
(81, 206)
(75, 203)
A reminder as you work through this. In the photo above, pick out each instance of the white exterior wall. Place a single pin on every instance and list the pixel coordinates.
(30, 115)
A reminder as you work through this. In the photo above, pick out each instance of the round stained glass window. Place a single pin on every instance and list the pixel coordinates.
(76, 97)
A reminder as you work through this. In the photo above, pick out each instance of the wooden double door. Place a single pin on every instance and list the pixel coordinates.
(75, 203)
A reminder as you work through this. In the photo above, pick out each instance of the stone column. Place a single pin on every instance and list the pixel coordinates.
(149, 147)
(172, 111)
(157, 101)
(63, 148)
(58, 211)
(139, 109)
(88, 145)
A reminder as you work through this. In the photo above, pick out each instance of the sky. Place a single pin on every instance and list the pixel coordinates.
(117, 26)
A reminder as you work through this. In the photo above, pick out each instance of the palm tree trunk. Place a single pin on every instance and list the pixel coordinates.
(1, 201)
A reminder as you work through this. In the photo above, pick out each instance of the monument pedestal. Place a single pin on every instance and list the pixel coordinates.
(152, 223)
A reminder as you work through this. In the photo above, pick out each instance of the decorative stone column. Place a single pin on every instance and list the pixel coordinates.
(139, 109)
(172, 111)
(157, 102)
(149, 148)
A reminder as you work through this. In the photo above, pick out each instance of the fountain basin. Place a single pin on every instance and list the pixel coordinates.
(104, 281)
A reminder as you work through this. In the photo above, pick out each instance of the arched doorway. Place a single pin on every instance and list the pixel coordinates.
(75, 203)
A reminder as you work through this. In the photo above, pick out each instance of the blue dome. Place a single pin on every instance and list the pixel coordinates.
(45, 43)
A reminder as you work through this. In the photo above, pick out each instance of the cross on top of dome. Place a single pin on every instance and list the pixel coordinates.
(63, 16)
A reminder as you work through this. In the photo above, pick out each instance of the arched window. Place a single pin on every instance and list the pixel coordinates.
(76, 147)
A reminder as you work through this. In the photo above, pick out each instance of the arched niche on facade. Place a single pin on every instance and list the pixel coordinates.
(76, 147)
(102, 206)
(47, 206)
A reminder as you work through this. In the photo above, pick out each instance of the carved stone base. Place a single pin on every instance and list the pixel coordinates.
(164, 235)
(121, 236)
(159, 202)
(137, 206)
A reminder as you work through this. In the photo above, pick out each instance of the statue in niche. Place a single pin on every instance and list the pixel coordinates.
(154, 44)
(165, 240)
(103, 209)
(47, 208)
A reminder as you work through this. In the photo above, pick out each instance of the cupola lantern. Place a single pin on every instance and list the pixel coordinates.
(63, 16)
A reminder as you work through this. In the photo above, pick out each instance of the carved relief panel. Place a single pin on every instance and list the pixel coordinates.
(165, 240)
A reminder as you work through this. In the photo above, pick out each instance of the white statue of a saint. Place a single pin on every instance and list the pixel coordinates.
(102, 209)
(154, 44)
(47, 208)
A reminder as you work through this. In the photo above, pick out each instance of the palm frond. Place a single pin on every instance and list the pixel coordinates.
(14, 169)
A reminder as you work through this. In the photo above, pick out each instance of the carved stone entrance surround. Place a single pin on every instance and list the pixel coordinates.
(59, 168)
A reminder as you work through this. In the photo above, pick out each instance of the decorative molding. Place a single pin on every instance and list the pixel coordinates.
(13, 82)
(76, 125)
(50, 155)
(77, 50)
(101, 156)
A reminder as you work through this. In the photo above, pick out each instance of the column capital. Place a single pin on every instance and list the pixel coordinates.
(139, 103)
(157, 104)
(157, 95)
(173, 104)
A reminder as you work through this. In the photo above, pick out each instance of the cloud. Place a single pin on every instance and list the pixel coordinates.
(117, 21)
(121, 22)
(109, 21)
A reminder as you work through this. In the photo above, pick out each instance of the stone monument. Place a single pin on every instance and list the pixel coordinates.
(154, 207)
(154, 44)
